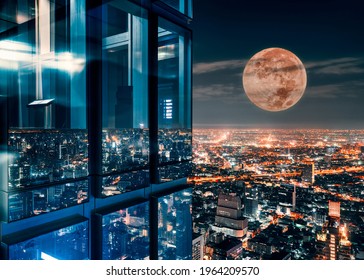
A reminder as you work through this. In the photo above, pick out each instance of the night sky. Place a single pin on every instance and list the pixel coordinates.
(328, 37)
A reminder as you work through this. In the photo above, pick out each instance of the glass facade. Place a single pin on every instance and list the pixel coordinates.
(174, 222)
(125, 233)
(95, 111)
(42, 62)
(174, 93)
(38, 201)
(125, 137)
(65, 243)
(173, 172)
(124, 182)
(183, 6)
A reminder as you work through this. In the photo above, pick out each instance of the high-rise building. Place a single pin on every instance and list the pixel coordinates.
(229, 218)
(286, 199)
(83, 135)
(198, 244)
(332, 241)
(334, 209)
(308, 173)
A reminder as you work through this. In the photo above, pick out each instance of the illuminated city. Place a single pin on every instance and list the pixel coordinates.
(286, 180)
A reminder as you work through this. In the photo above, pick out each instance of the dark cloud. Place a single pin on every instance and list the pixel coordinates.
(325, 35)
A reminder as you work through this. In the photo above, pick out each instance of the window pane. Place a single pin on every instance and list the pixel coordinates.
(174, 93)
(183, 6)
(67, 243)
(43, 200)
(175, 226)
(125, 86)
(175, 171)
(43, 67)
(126, 182)
(44, 156)
(125, 234)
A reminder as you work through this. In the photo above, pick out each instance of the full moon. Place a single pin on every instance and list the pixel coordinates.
(274, 79)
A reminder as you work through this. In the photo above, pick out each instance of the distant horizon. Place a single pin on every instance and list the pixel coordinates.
(235, 126)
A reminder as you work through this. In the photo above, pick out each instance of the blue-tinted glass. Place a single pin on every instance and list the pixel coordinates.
(43, 156)
(174, 93)
(126, 182)
(68, 243)
(183, 6)
(175, 226)
(124, 149)
(43, 200)
(125, 234)
(42, 63)
(125, 141)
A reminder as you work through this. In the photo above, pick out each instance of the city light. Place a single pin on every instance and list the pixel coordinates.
(288, 201)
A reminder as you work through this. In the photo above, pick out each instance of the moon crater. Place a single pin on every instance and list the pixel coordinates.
(274, 79)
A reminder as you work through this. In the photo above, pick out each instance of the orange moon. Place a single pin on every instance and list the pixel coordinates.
(274, 79)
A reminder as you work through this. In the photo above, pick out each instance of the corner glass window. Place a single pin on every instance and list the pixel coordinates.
(42, 65)
(175, 226)
(125, 134)
(174, 93)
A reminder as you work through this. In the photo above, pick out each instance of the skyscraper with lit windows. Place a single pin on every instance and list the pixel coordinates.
(229, 217)
(332, 242)
(83, 137)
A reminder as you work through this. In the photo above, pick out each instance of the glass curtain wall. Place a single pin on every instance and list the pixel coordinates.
(174, 96)
(125, 233)
(42, 65)
(175, 226)
(183, 6)
(125, 133)
(67, 242)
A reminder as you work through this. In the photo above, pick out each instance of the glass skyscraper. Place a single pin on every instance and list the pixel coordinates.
(95, 129)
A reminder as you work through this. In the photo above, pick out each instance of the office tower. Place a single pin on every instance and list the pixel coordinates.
(286, 199)
(229, 218)
(332, 241)
(345, 248)
(198, 244)
(174, 240)
(334, 209)
(328, 238)
(308, 173)
(250, 197)
(82, 133)
(251, 207)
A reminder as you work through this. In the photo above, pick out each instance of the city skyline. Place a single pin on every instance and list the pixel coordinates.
(301, 193)
(325, 36)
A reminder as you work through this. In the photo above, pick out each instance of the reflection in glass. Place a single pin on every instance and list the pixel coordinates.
(174, 93)
(173, 172)
(126, 182)
(42, 65)
(183, 6)
(175, 226)
(67, 243)
(34, 202)
(45, 156)
(125, 142)
(125, 234)
(124, 149)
